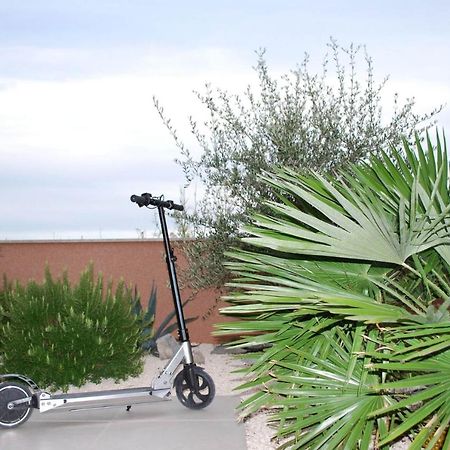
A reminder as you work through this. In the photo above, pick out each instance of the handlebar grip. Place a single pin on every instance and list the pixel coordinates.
(147, 199)
(141, 200)
(175, 206)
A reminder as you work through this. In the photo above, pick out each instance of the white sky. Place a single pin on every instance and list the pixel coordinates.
(78, 130)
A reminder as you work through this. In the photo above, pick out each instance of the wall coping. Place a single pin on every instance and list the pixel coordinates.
(77, 241)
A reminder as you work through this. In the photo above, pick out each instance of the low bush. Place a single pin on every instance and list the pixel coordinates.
(61, 335)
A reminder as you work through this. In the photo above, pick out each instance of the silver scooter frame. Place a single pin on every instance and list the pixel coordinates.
(160, 388)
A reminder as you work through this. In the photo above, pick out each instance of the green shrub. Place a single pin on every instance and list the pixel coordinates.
(346, 284)
(61, 335)
(5, 301)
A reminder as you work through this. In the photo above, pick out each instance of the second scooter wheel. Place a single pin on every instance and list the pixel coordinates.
(195, 397)
(13, 417)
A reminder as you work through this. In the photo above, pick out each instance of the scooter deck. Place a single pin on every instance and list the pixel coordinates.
(81, 395)
(100, 399)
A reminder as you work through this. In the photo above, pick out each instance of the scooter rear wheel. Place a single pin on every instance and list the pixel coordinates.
(13, 417)
(195, 397)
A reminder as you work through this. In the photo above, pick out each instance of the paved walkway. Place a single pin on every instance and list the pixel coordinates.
(157, 426)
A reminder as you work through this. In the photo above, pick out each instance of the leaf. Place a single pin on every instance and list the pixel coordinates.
(339, 281)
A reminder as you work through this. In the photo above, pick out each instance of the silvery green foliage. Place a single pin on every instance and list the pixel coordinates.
(302, 120)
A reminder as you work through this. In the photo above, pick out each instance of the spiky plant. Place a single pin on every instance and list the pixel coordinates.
(347, 283)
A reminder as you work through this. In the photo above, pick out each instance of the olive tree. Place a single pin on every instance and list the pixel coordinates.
(302, 120)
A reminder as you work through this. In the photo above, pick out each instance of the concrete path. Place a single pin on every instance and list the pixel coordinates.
(155, 426)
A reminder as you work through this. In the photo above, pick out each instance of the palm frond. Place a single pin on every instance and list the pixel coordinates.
(346, 284)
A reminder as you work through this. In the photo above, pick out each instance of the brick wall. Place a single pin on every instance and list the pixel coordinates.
(138, 262)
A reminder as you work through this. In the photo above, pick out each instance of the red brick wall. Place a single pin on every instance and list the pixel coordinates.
(138, 262)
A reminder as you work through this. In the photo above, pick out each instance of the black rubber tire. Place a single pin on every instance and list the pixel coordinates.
(188, 397)
(10, 418)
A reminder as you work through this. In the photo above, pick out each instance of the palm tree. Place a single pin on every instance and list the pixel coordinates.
(347, 286)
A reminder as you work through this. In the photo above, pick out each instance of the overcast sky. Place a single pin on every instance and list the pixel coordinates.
(78, 130)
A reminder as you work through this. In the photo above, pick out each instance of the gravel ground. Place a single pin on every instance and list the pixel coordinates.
(220, 367)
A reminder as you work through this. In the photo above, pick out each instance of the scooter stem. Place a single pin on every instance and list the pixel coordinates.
(170, 260)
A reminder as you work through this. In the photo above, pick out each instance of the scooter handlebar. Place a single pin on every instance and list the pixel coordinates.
(147, 200)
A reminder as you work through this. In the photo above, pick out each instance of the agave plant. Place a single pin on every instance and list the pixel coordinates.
(149, 332)
(347, 283)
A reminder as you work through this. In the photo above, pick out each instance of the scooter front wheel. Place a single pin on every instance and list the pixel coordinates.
(195, 390)
(11, 417)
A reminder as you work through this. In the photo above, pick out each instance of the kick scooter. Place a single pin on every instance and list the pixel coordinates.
(19, 395)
